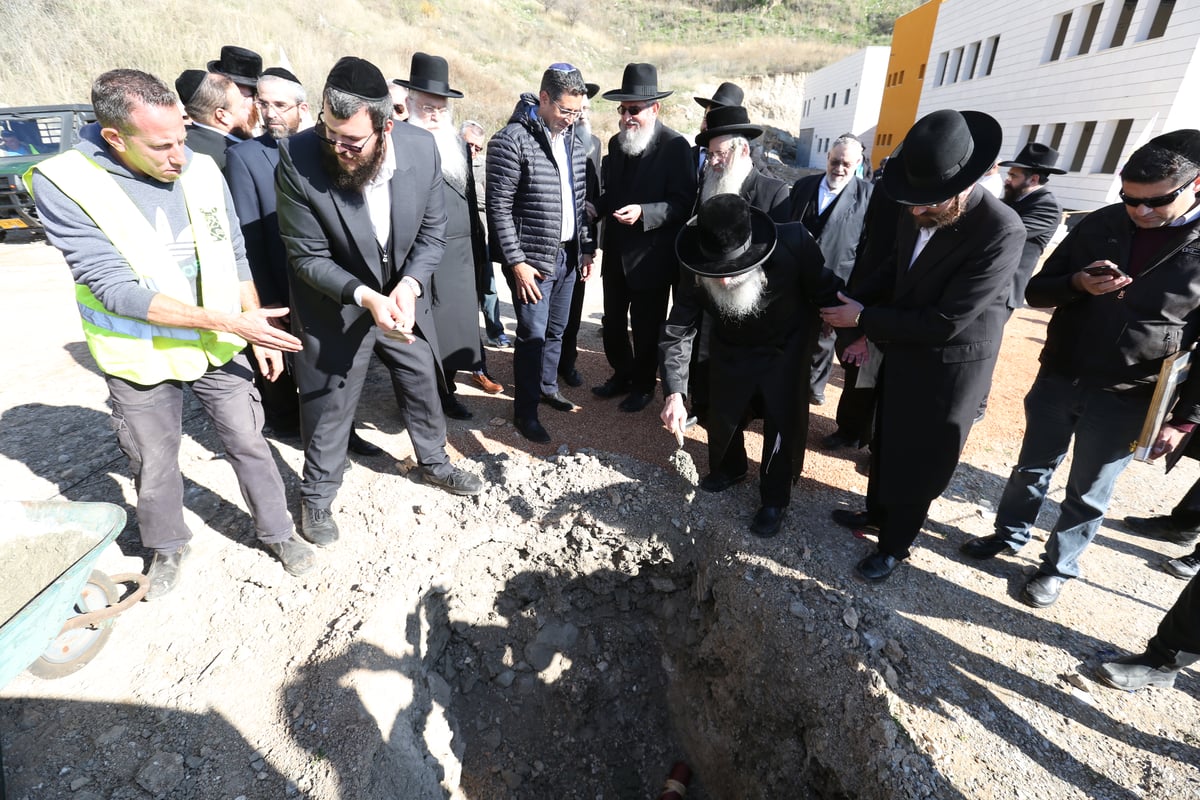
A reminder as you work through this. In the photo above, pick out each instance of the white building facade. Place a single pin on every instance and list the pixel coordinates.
(841, 98)
(1095, 80)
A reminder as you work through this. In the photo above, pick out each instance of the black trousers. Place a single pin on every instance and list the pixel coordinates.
(1186, 513)
(856, 407)
(1179, 631)
(899, 523)
(775, 463)
(570, 335)
(639, 312)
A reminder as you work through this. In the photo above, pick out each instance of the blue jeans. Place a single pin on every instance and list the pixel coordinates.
(1106, 426)
(539, 335)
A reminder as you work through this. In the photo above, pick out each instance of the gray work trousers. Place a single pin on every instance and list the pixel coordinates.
(148, 421)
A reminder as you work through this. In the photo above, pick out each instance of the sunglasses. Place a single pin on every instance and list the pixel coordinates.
(1156, 202)
(334, 143)
(632, 111)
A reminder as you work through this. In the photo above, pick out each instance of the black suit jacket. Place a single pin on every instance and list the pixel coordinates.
(661, 180)
(939, 324)
(250, 173)
(332, 248)
(843, 231)
(209, 142)
(1041, 214)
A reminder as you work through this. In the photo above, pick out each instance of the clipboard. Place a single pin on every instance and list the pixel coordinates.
(1174, 372)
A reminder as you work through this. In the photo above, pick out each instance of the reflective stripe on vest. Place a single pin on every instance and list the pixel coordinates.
(135, 349)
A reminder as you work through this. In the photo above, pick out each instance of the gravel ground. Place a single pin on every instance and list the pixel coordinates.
(584, 623)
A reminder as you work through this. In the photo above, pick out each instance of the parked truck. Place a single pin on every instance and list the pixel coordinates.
(29, 134)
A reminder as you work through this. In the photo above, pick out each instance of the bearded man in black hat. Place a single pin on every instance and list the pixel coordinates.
(755, 280)
(1025, 191)
(727, 94)
(362, 212)
(649, 187)
(936, 309)
(1124, 289)
(729, 167)
(242, 66)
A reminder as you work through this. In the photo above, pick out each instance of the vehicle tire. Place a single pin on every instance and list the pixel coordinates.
(70, 651)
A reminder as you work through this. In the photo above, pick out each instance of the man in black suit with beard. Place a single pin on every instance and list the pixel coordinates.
(936, 309)
(649, 187)
(361, 210)
(1025, 191)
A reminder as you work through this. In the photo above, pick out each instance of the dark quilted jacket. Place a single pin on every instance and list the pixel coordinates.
(523, 195)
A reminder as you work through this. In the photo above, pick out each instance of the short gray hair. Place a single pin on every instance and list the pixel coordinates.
(118, 92)
(343, 105)
(849, 138)
(469, 125)
(211, 94)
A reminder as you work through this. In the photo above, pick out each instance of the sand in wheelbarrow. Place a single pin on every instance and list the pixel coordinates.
(29, 564)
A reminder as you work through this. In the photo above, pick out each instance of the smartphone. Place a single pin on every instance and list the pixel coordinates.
(1106, 271)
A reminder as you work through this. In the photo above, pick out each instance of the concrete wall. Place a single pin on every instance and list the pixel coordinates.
(841, 98)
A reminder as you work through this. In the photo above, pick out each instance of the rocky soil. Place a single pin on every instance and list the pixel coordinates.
(584, 623)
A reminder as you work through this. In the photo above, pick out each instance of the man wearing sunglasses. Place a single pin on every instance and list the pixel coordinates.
(1123, 286)
(362, 213)
(648, 189)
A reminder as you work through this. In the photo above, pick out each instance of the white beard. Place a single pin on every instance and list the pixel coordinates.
(633, 141)
(454, 157)
(741, 300)
(727, 181)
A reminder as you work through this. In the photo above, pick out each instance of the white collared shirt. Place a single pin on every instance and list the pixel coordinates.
(562, 157)
(378, 193)
(923, 237)
(826, 195)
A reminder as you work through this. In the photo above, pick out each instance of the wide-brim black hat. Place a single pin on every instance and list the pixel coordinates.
(943, 154)
(592, 89)
(727, 94)
(727, 237)
(238, 64)
(187, 83)
(1036, 157)
(639, 82)
(728, 121)
(429, 74)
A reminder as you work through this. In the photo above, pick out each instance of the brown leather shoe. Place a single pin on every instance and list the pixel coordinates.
(482, 380)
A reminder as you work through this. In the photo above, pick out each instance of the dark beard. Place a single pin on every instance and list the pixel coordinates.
(355, 179)
(944, 218)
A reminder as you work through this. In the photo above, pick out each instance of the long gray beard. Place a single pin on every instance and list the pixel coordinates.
(728, 181)
(454, 157)
(736, 303)
(634, 142)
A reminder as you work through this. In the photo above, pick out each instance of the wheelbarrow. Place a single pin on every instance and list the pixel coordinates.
(58, 610)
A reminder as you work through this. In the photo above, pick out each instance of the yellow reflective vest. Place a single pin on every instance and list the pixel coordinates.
(135, 349)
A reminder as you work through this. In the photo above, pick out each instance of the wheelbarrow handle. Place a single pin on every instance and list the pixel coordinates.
(92, 618)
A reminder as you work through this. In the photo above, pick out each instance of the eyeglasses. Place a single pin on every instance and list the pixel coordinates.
(632, 111)
(277, 107)
(335, 143)
(569, 113)
(720, 154)
(1156, 202)
(431, 111)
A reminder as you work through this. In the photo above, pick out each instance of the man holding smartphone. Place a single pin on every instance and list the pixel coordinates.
(1125, 286)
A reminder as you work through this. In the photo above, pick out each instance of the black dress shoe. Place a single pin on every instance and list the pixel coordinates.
(984, 547)
(361, 446)
(1137, 672)
(1162, 528)
(815, 399)
(854, 520)
(876, 567)
(454, 409)
(719, 481)
(1042, 590)
(559, 403)
(613, 387)
(457, 481)
(767, 521)
(531, 429)
(571, 377)
(635, 402)
(836, 441)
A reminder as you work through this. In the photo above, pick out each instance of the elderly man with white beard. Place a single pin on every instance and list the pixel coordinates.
(648, 185)
(729, 167)
(455, 286)
(753, 278)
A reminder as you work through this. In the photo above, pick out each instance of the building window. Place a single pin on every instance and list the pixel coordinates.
(1060, 36)
(1031, 132)
(1085, 141)
(921, 73)
(1089, 29)
(1124, 17)
(826, 103)
(989, 57)
(1056, 134)
(971, 62)
(1120, 135)
(941, 69)
(833, 100)
(952, 67)
(846, 102)
(1162, 15)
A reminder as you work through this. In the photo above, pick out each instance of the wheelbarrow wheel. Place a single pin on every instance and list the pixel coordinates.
(72, 649)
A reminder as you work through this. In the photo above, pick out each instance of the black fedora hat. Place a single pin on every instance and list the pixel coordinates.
(429, 74)
(1036, 157)
(639, 82)
(238, 64)
(728, 121)
(187, 83)
(592, 89)
(944, 153)
(727, 237)
(727, 94)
